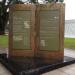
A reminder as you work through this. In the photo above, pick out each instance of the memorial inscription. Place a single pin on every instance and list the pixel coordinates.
(37, 30)
(49, 30)
(21, 29)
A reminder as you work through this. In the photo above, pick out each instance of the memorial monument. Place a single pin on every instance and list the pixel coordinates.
(37, 30)
(36, 39)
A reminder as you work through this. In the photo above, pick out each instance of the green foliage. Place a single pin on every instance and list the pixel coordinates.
(3, 16)
(61, 0)
(55, 1)
(33, 1)
(16, 1)
(50, 0)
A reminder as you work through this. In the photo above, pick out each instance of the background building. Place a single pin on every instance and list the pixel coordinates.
(70, 28)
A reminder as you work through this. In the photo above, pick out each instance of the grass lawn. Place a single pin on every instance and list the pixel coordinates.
(69, 43)
(3, 41)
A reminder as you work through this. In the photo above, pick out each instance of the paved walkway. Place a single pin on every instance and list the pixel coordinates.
(3, 50)
(67, 70)
(69, 52)
(3, 70)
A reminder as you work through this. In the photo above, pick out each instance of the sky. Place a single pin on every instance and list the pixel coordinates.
(69, 9)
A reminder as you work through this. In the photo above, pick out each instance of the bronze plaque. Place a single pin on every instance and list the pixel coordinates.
(49, 30)
(21, 29)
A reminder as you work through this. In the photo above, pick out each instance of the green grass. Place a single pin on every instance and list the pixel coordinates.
(69, 43)
(3, 41)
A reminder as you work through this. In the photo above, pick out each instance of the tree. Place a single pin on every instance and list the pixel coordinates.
(4, 15)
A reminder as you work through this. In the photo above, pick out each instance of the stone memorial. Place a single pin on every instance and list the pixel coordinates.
(37, 30)
(36, 39)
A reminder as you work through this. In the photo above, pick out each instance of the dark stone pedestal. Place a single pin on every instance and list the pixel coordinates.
(33, 66)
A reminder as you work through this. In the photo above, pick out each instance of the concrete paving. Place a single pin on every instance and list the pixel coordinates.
(67, 70)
